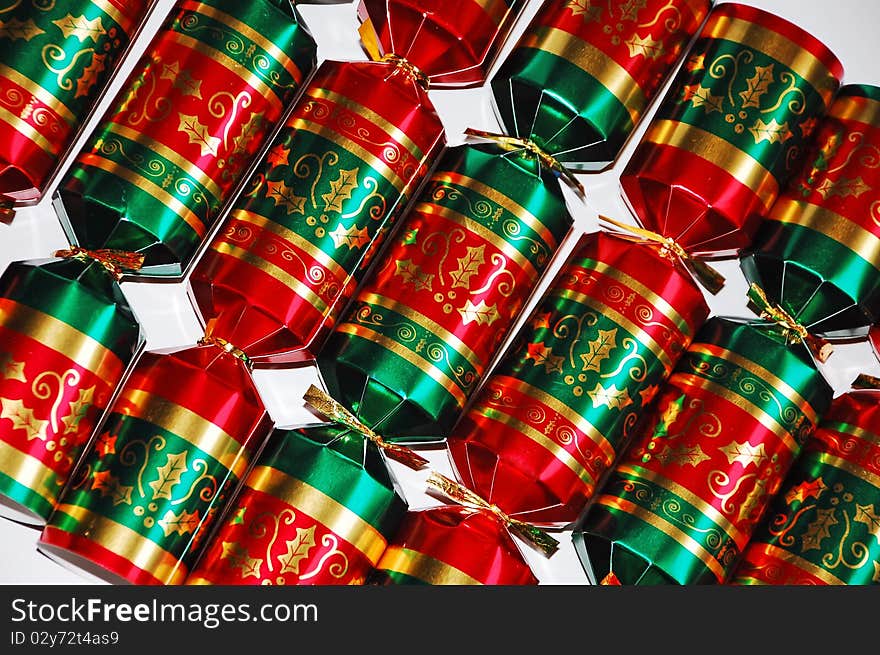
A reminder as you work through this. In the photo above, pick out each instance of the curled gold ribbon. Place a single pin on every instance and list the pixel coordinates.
(536, 537)
(865, 381)
(335, 411)
(370, 39)
(7, 210)
(820, 348)
(116, 262)
(710, 278)
(532, 149)
(225, 346)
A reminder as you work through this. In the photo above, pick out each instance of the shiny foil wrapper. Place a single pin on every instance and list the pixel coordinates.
(56, 60)
(731, 130)
(582, 75)
(822, 526)
(685, 498)
(67, 338)
(565, 399)
(817, 254)
(177, 441)
(424, 326)
(160, 167)
(452, 545)
(318, 508)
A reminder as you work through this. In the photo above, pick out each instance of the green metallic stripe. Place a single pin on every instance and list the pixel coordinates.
(28, 131)
(40, 93)
(120, 539)
(640, 335)
(706, 509)
(141, 141)
(852, 431)
(26, 471)
(484, 233)
(739, 164)
(591, 60)
(743, 402)
(423, 567)
(835, 226)
(320, 506)
(423, 365)
(246, 31)
(142, 183)
(853, 469)
(25, 497)
(788, 557)
(778, 384)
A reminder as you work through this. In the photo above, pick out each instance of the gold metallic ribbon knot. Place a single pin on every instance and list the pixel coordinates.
(820, 348)
(370, 39)
(117, 262)
(225, 346)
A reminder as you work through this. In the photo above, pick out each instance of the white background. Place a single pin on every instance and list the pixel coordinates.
(848, 27)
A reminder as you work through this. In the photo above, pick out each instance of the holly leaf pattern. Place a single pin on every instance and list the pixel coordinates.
(169, 475)
(182, 80)
(481, 313)
(351, 237)
(541, 355)
(108, 484)
(843, 187)
(77, 410)
(630, 9)
(585, 8)
(284, 197)
(696, 63)
(341, 190)
(237, 557)
(468, 266)
(682, 455)
(278, 156)
(771, 132)
(249, 131)
(183, 523)
(866, 514)
(610, 397)
(648, 394)
(198, 134)
(105, 444)
(804, 490)
(669, 416)
(757, 85)
(89, 76)
(23, 419)
(646, 47)
(11, 369)
(599, 350)
(700, 96)
(297, 550)
(80, 28)
(411, 274)
(753, 501)
(818, 530)
(745, 453)
(14, 29)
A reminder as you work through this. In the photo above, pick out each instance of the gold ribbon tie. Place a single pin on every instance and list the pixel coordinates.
(865, 381)
(534, 536)
(116, 262)
(820, 348)
(225, 346)
(336, 412)
(370, 39)
(7, 209)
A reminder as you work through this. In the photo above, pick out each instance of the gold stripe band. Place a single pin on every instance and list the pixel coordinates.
(739, 164)
(853, 469)
(496, 9)
(111, 10)
(40, 94)
(855, 108)
(57, 335)
(136, 179)
(788, 557)
(124, 542)
(321, 507)
(423, 567)
(29, 472)
(593, 61)
(850, 430)
(422, 364)
(28, 131)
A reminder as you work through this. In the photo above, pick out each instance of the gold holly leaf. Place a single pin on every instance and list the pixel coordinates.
(468, 266)
(669, 416)
(700, 96)
(757, 85)
(412, 274)
(340, 190)
(771, 132)
(23, 419)
(89, 76)
(541, 321)
(843, 187)
(182, 523)
(352, 237)
(297, 550)
(238, 517)
(696, 63)
(77, 410)
(600, 350)
(198, 134)
(818, 530)
(80, 27)
(105, 444)
(630, 9)
(647, 47)
(238, 558)
(108, 485)
(753, 501)
(804, 490)
(866, 514)
(585, 8)
(542, 355)
(809, 125)
(682, 455)
(182, 80)
(278, 156)
(15, 29)
(169, 475)
(745, 453)
(283, 196)
(482, 313)
(249, 131)
(11, 369)
(611, 397)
